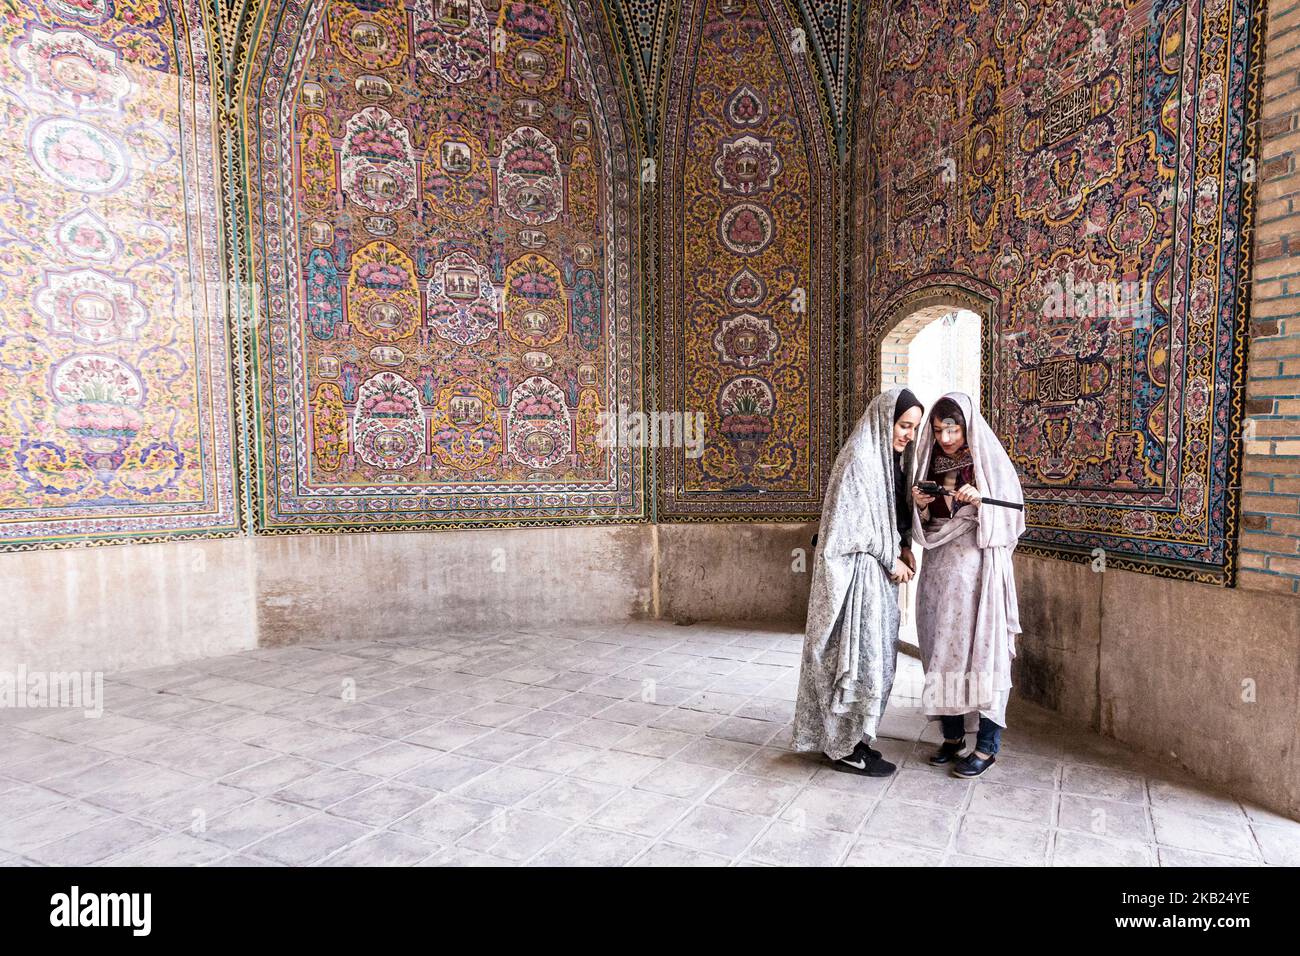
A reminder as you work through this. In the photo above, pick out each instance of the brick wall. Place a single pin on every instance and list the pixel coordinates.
(1270, 528)
(894, 347)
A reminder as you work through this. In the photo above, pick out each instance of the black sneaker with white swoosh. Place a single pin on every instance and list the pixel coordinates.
(864, 761)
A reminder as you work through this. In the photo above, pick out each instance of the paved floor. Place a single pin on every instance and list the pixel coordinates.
(641, 744)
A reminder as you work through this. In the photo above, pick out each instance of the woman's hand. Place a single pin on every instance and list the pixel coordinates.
(908, 558)
(968, 495)
(921, 498)
(901, 573)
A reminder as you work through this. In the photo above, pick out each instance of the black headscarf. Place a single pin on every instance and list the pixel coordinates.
(906, 400)
(902, 470)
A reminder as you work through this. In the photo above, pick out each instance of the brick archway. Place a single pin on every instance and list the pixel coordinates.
(908, 315)
(895, 345)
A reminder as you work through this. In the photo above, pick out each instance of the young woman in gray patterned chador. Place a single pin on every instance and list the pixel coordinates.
(967, 616)
(851, 640)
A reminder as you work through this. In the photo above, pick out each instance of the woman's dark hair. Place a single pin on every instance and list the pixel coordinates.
(945, 409)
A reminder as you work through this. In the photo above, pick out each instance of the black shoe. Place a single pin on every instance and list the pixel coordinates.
(948, 752)
(972, 765)
(864, 761)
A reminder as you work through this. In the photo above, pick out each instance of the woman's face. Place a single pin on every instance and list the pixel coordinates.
(950, 436)
(905, 428)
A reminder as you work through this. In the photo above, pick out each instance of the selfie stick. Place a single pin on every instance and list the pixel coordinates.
(984, 501)
(1002, 504)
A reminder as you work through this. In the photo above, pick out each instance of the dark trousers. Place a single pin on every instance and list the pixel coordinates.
(987, 739)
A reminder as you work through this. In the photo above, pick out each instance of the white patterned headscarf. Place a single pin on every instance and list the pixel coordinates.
(859, 513)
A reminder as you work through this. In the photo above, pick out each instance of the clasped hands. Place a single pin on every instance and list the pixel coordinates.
(904, 567)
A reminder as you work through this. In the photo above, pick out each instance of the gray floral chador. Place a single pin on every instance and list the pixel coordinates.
(851, 640)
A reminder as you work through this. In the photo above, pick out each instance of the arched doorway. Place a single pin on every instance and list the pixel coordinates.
(933, 350)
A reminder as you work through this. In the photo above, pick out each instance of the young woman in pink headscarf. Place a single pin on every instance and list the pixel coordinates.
(967, 616)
